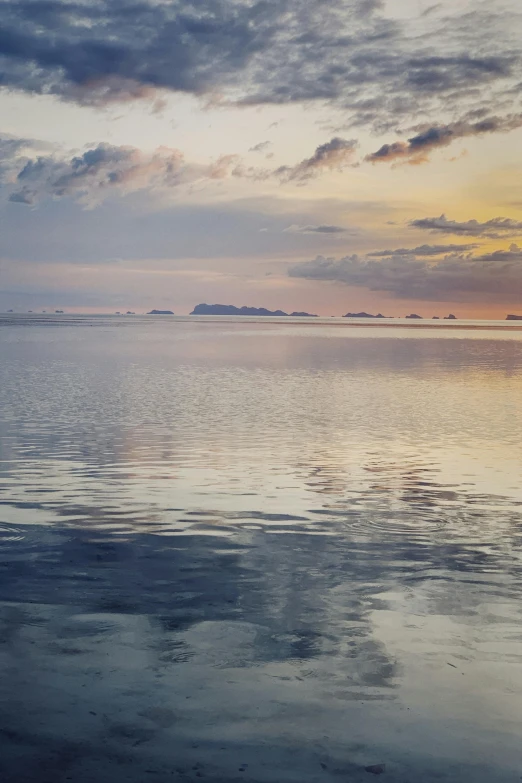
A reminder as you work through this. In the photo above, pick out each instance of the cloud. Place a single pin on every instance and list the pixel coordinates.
(334, 154)
(493, 229)
(417, 148)
(324, 229)
(11, 150)
(432, 9)
(106, 170)
(345, 52)
(489, 277)
(366, 7)
(99, 172)
(261, 147)
(10, 146)
(423, 251)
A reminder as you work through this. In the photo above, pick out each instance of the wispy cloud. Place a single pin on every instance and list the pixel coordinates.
(334, 154)
(423, 251)
(322, 229)
(492, 229)
(418, 148)
(263, 146)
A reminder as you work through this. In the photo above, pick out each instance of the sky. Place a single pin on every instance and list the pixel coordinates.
(318, 155)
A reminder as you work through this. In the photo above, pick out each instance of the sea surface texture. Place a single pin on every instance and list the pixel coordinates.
(259, 551)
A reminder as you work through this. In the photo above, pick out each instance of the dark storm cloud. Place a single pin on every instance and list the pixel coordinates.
(260, 51)
(117, 48)
(486, 277)
(334, 154)
(418, 148)
(423, 251)
(493, 229)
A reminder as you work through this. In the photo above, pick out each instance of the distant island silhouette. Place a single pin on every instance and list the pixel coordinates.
(513, 317)
(414, 315)
(365, 315)
(158, 312)
(219, 309)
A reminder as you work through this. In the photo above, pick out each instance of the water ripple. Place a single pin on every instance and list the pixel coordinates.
(9, 534)
(219, 539)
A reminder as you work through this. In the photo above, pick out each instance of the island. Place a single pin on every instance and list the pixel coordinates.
(414, 315)
(160, 312)
(365, 315)
(58, 312)
(435, 318)
(219, 309)
(450, 317)
(513, 317)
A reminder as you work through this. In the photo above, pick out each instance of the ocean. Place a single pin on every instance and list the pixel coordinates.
(260, 550)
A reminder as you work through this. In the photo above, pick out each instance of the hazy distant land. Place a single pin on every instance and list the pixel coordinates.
(232, 310)
(220, 309)
(366, 315)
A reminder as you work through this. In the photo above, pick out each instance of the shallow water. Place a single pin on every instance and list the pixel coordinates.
(278, 551)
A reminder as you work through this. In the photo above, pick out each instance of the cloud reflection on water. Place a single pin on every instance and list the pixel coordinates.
(263, 556)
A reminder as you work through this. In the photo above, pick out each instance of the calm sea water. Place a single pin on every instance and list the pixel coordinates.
(259, 551)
